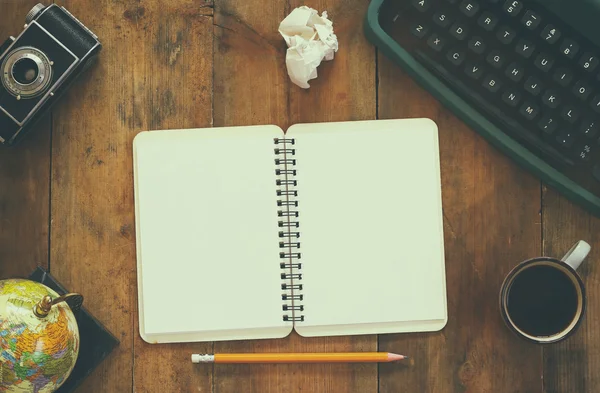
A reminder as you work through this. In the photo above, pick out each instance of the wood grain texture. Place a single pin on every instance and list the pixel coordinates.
(345, 88)
(66, 197)
(572, 365)
(24, 180)
(154, 72)
(491, 222)
(252, 87)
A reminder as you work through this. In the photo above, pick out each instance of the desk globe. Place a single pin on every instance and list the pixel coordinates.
(39, 337)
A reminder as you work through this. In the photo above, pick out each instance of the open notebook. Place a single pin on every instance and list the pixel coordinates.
(328, 229)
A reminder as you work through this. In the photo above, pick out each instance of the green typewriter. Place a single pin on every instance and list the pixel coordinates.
(523, 74)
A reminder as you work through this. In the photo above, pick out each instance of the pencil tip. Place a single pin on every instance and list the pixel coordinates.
(394, 356)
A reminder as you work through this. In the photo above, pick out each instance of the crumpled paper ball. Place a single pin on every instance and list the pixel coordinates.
(310, 40)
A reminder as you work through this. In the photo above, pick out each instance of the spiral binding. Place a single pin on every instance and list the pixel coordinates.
(291, 276)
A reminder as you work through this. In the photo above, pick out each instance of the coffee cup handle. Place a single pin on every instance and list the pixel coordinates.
(577, 254)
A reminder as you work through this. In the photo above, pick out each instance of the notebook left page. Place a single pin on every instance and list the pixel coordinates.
(206, 225)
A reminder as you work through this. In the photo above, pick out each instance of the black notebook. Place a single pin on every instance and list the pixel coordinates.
(96, 341)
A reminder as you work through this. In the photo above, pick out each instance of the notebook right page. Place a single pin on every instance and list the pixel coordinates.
(371, 229)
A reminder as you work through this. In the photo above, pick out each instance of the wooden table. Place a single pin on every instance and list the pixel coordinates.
(66, 199)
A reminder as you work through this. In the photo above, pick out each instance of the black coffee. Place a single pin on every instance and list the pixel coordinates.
(542, 301)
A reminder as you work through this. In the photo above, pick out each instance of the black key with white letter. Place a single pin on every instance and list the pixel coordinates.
(570, 114)
(469, 7)
(515, 72)
(456, 57)
(524, 48)
(550, 34)
(495, 58)
(585, 152)
(582, 90)
(513, 7)
(473, 70)
(491, 83)
(441, 19)
(458, 31)
(435, 42)
(548, 123)
(505, 34)
(421, 5)
(589, 127)
(529, 110)
(533, 85)
(563, 76)
(511, 97)
(531, 20)
(477, 45)
(551, 98)
(544, 62)
(565, 139)
(569, 48)
(419, 30)
(487, 20)
(588, 61)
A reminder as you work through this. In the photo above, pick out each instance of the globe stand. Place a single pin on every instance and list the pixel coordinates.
(96, 341)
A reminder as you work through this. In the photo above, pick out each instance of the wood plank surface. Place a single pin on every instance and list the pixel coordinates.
(24, 179)
(491, 222)
(252, 87)
(66, 200)
(155, 71)
(573, 365)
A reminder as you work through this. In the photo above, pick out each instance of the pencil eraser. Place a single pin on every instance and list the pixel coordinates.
(196, 358)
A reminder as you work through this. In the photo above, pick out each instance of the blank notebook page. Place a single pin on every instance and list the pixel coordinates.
(208, 252)
(370, 218)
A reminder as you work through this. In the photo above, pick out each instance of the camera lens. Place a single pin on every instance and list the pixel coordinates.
(25, 71)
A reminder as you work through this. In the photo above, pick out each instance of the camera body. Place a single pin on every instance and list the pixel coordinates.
(38, 66)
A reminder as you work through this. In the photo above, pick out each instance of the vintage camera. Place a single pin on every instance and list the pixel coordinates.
(39, 65)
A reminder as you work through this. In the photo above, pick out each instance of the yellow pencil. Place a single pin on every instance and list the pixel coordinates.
(339, 357)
